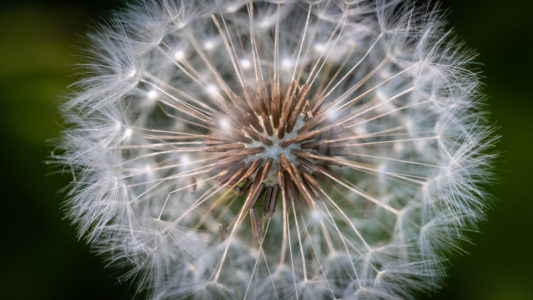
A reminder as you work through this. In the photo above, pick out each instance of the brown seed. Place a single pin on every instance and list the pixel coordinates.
(257, 225)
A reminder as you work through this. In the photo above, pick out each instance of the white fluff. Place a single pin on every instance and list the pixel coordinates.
(381, 232)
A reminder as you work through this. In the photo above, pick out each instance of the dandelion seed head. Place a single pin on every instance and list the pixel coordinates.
(277, 149)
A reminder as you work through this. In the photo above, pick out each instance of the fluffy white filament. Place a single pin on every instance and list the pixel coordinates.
(386, 73)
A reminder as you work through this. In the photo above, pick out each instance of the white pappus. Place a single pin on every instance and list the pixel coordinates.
(276, 149)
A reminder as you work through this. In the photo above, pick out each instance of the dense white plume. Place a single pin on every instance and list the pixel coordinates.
(385, 84)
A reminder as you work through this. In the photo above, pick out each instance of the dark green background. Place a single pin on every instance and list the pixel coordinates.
(40, 257)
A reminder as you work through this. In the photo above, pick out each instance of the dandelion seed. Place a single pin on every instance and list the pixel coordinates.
(296, 150)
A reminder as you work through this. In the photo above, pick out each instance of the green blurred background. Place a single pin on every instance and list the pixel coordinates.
(40, 256)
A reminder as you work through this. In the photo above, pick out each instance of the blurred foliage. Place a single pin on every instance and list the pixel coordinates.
(41, 258)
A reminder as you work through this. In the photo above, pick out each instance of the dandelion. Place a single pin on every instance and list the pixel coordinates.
(277, 149)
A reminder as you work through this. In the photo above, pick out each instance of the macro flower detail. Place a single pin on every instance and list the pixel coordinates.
(276, 149)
